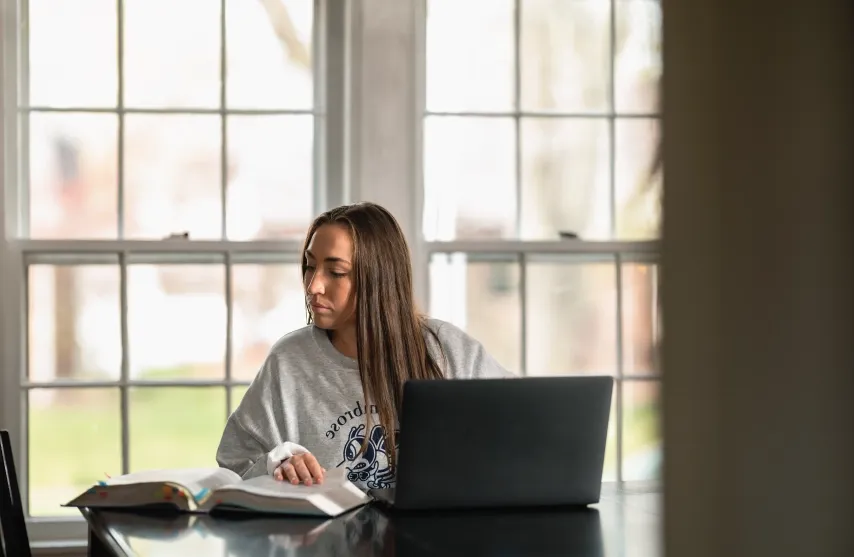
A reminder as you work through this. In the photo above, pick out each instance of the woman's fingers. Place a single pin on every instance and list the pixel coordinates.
(302, 471)
(302, 468)
(289, 473)
(314, 468)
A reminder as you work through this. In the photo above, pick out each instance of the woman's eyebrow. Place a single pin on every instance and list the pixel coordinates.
(328, 259)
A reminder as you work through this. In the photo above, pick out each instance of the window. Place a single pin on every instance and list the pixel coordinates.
(540, 197)
(156, 197)
(160, 169)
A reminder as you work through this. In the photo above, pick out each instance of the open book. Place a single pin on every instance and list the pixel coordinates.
(205, 489)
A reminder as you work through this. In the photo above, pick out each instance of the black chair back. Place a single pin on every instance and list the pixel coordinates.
(12, 523)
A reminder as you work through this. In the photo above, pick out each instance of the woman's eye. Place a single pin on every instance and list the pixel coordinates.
(338, 275)
(309, 267)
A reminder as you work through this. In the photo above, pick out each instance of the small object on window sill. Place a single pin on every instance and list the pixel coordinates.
(567, 235)
(178, 236)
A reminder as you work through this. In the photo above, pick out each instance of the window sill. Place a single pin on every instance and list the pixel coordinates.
(60, 548)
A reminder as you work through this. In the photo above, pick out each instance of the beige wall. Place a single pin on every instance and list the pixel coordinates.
(758, 278)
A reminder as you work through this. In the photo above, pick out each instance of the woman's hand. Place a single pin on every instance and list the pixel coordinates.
(300, 468)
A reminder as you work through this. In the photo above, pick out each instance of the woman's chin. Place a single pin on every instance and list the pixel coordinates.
(323, 321)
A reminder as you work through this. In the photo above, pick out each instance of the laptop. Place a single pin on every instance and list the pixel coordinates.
(489, 443)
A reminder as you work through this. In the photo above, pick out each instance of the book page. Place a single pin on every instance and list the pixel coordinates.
(267, 486)
(268, 495)
(198, 481)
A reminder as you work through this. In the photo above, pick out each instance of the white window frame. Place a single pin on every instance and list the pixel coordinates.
(17, 251)
(620, 252)
(372, 76)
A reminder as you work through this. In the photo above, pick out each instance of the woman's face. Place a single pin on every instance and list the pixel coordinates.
(328, 278)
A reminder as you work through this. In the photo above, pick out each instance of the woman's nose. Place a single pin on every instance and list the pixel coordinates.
(315, 286)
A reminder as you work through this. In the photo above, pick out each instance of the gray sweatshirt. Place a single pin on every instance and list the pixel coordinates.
(307, 397)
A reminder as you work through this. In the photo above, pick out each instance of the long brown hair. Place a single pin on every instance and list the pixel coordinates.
(390, 333)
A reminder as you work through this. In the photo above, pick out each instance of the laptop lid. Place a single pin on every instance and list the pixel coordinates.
(531, 441)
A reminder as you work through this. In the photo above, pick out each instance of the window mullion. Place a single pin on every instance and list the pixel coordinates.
(120, 114)
(612, 120)
(223, 120)
(420, 257)
(125, 364)
(229, 339)
(523, 313)
(517, 114)
(618, 269)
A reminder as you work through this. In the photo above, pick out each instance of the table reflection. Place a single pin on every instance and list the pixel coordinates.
(529, 533)
(365, 532)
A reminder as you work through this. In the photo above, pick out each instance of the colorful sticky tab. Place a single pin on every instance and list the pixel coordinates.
(198, 496)
(102, 483)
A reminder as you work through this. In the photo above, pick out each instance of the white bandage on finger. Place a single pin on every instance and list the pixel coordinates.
(282, 452)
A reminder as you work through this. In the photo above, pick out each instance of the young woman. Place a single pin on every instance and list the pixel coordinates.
(328, 394)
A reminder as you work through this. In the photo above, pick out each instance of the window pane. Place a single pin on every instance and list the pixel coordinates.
(640, 319)
(637, 67)
(175, 427)
(475, 294)
(181, 68)
(469, 178)
(470, 55)
(565, 178)
(172, 176)
(609, 468)
(565, 50)
(642, 442)
(571, 318)
(176, 321)
(74, 439)
(269, 53)
(638, 182)
(73, 329)
(73, 191)
(268, 303)
(72, 48)
(270, 181)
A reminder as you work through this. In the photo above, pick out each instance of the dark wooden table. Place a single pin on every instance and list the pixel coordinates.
(626, 523)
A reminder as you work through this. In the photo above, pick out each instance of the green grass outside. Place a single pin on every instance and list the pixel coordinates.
(76, 440)
(641, 431)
